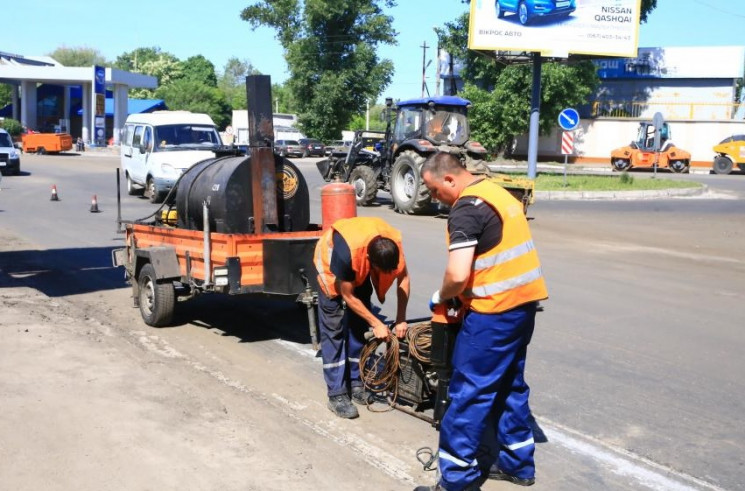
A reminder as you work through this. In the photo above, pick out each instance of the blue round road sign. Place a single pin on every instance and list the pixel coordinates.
(568, 119)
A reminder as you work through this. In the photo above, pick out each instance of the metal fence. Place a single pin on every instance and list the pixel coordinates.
(708, 111)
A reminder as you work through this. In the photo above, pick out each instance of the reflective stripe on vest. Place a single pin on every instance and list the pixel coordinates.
(509, 274)
(357, 232)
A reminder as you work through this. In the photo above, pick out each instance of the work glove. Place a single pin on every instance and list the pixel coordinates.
(451, 302)
(435, 300)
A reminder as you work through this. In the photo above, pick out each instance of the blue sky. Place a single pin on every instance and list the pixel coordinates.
(215, 30)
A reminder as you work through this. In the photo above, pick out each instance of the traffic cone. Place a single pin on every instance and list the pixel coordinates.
(54, 193)
(94, 205)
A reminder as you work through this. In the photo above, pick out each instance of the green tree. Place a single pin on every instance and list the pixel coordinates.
(376, 120)
(6, 95)
(283, 100)
(12, 126)
(330, 48)
(232, 81)
(82, 56)
(164, 66)
(191, 95)
(199, 69)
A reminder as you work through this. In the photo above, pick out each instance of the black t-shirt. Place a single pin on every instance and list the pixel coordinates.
(474, 223)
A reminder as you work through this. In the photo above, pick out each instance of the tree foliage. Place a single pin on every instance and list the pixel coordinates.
(6, 95)
(199, 69)
(191, 95)
(232, 81)
(81, 56)
(330, 48)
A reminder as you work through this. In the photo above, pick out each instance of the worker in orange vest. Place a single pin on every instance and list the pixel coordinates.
(493, 268)
(354, 257)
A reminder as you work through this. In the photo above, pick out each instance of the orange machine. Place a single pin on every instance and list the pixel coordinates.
(42, 143)
(642, 152)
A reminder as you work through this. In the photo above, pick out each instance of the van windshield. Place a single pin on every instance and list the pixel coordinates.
(185, 137)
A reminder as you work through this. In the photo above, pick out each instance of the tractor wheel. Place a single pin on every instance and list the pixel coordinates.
(153, 194)
(362, 178)
(679, 166)
(722, 165)
(157, 300)
(132, 190)
(523, 14)
(410, 195)
(620, 165)
(498, 9)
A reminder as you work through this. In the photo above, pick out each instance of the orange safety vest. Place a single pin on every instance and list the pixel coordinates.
(509, 274)
(357, 232)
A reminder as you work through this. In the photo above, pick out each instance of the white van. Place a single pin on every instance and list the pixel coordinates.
(157, 147)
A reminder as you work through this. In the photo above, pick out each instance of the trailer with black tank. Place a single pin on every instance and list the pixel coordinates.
(391, 161)
(239, 224)
(236, 224)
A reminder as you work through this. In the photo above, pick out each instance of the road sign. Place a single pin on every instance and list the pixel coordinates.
(567, 143)
(569, 119)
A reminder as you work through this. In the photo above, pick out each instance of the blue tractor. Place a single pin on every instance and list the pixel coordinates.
(391, 161)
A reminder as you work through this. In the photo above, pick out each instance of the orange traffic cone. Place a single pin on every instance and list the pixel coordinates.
(54, 193)
(94, 205)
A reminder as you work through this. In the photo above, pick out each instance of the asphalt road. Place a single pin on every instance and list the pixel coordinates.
(636, 364)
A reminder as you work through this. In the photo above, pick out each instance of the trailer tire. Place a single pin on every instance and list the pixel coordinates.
(362, 178)
(410, 195)
(157, 301)
(41, 151)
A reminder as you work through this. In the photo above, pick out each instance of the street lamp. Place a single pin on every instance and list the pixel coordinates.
(437, 68)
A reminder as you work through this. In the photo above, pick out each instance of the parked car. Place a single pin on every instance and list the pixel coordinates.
(338, 146)
(10, 158)
(528, 10)
(288, 148)
(312, 147)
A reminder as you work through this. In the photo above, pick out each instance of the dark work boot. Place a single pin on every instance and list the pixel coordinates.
(498, 475)
(362, 396)
(342, 407)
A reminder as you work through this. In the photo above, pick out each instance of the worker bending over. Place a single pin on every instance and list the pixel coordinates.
(353, 257)
(493, 268)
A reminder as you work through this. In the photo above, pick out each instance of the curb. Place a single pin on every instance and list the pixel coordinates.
(621, 195)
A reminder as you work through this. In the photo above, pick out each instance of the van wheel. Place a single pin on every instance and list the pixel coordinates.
(153, 194)
(132, 190)
(157, 300)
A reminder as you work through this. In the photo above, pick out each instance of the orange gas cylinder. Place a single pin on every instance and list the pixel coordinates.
(337, 201)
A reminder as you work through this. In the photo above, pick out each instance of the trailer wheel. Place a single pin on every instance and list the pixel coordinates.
(410, 195)
(41, 151)
(621, 164)
(722, 165)
(362, 178)
(157, 300)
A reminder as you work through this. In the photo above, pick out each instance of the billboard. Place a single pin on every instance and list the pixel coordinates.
(556, 27)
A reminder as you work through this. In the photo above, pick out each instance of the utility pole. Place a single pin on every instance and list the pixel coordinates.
(424, 67)
(437, 80)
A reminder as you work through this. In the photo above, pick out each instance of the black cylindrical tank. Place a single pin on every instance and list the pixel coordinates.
(225, 184)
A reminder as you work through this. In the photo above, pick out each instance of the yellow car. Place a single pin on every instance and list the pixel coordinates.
(730, 151)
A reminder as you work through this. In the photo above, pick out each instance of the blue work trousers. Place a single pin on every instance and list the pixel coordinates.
(342, 339)
(488, 387)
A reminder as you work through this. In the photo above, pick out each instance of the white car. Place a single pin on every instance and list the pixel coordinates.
(10, 157)
(158, 147)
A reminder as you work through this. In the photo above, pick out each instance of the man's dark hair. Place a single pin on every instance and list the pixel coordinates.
(442, 163)
(383, 254)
